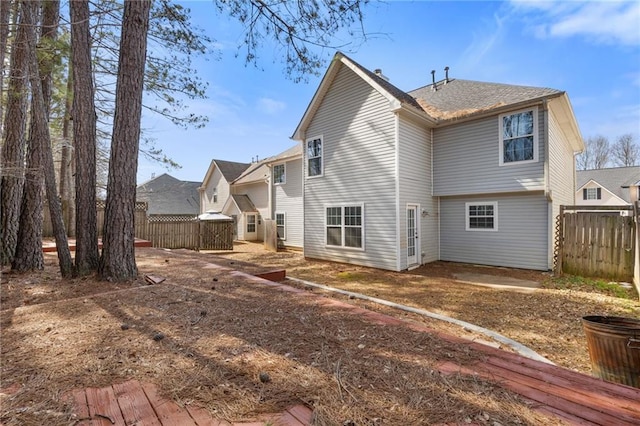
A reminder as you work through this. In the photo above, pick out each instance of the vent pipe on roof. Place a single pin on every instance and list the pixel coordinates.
(378, 72)
(446, 75)
(433, 79)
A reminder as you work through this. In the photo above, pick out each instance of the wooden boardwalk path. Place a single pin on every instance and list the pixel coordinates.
(133, 403)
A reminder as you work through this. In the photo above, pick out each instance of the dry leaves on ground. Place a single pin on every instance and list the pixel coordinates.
(205, 336)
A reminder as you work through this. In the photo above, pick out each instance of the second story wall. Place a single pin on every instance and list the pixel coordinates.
(467, 160)
(288, 200)
(215, 194)
(358, 134)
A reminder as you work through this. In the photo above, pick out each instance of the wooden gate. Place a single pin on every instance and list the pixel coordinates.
(216, 234)
(597, 241)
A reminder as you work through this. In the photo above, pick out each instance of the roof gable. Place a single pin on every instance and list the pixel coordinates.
(229, 170)
(615, 180)
(443, 101)
(397, 98)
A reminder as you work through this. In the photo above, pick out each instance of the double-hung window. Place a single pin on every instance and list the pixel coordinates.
(519, 137)
(215, 194)
(344, 226)
(278, 174)
(280, 226)
(592, 193)
(482, 216)
(314, 157)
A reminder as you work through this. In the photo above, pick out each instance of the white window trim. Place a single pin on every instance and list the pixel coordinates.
(284, 173)
(593, 191)
(306, 157)
(481, 203)
(284, 237)
(342, 206)
(536, 132)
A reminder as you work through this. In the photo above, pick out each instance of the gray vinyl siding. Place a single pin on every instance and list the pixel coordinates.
(520, 242)
(288, 200)
(415, 187)
(206, 200)
(561, 174)
(466, 160)
(358, 136)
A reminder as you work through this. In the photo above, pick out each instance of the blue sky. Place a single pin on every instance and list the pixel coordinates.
(591, 50)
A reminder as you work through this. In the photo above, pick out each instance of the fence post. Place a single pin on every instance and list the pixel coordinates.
(560, 241)
(636, 249)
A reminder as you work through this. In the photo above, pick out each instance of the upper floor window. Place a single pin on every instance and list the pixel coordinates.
(314, 157)
(482, 216)
(215, 194)
(592, 194)
(519, 137)
(278, 174)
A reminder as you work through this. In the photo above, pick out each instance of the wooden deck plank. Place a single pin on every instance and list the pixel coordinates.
(301, 412)
(136, 408)
(202, 417)
(574, 377)
(556, 397)
(103, 407)
(606, 401)
(81, 408)
(169, 413)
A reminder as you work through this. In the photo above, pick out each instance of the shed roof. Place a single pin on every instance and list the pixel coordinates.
(244, 203)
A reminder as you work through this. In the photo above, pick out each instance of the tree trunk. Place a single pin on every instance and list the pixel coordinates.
(13, 150)
(50, 16)
(28, 254)
(118, 255)
(5, 13)
(66, 162)
(84, 136)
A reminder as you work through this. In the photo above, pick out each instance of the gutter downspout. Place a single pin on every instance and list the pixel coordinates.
(548, 192)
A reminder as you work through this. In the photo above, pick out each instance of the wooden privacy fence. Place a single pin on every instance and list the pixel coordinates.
(171, 231)
(597, 241)
(140, 218)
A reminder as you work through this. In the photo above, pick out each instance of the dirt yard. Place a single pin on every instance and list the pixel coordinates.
(239, 350)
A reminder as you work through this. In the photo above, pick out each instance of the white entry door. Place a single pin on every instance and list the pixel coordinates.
(251, 227)
(413, 235)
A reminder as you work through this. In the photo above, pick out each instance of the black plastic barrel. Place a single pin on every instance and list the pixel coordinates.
(614, 348)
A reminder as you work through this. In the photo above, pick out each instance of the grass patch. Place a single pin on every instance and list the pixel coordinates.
(592, 285)
(351, 276)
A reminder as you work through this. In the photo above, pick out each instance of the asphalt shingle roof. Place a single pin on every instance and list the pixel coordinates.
(230, 169)
(615, 180)
(456, 98)
(461, 97)
(244, 203)
(168, 195)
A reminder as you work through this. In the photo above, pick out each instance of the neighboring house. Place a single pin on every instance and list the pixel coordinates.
(252, 193)
(457, 170)
(249, 202)
(216, 186)
(167, 195)
(608, 187)
(286, 195)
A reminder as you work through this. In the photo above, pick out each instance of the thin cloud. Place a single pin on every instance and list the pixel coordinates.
(270, 106)
(599, 22)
